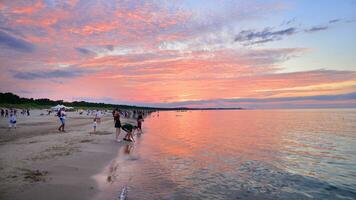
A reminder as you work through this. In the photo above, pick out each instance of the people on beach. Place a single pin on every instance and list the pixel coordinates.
(116, 115)
(2, 112)
(12, 120)
(130, 129)
(62, 117)
(28, 112)
(98, 116)
(6, 113)
(139, 122)
(94, 124)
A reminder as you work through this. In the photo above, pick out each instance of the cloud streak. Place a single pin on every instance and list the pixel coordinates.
(33, 75)
(83, 50)
(267, 35)
(15, 43)
(252, 37)
(316, 29)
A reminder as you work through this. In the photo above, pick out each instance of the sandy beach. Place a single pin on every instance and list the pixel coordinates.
(39, 162)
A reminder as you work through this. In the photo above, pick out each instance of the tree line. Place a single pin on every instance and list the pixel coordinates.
(14, 100)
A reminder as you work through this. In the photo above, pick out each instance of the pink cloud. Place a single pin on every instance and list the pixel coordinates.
(28, 9)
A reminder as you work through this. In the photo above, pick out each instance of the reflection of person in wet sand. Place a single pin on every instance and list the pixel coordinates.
(130, 129)
(128, 148)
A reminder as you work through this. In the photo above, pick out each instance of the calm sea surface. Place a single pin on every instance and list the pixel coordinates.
(247, 154)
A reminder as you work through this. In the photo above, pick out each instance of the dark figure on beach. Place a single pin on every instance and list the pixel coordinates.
(28, 112)
(2, 112)
(15, 112)
(6, 113)
(130, 129)
(116, 114)
(139, 122)
(62, 117)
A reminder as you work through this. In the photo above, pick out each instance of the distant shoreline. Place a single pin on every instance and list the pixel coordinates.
(10, 100)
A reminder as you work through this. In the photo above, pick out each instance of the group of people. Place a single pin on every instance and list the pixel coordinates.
(127, 127)
(61, 114)
(6, 112)
(11, 114)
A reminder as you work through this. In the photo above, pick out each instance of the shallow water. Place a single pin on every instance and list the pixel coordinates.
(243, 154)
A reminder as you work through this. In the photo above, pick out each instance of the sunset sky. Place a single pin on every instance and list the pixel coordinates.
(193, 53)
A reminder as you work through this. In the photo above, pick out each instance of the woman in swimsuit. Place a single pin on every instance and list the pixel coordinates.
(117, 123)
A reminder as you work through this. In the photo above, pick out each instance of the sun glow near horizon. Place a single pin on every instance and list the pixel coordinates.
(181, 53)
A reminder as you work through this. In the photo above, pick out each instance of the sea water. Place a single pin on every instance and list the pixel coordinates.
(238, 154)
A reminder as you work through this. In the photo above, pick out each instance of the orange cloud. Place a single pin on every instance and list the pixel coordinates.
(100, 27)
(29, 9)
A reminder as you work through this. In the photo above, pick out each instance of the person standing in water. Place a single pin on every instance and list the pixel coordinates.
(139, 122)
(116, 114)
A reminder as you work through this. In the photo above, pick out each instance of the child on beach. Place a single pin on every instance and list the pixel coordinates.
(130, 129)
(12, 120)
(94, 124)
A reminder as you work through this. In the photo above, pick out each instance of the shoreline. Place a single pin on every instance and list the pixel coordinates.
(38, 162)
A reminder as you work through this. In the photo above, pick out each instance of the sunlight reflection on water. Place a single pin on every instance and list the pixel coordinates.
(274, 154)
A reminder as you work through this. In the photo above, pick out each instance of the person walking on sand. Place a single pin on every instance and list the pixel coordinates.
(62, 117)
(12, 120)
(116, 114)
(2, 112)
(98, 116)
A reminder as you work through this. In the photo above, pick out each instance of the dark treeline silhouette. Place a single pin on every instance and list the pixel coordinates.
(10, 99)
(15, 100)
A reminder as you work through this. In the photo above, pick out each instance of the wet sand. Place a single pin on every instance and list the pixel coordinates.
(39, 162)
